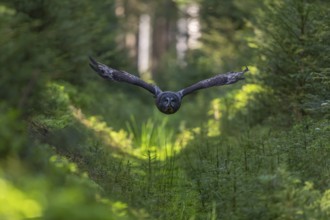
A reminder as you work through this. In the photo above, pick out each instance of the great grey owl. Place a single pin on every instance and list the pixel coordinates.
(167, 102)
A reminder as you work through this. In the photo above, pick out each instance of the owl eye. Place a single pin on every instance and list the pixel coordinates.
(165, 99)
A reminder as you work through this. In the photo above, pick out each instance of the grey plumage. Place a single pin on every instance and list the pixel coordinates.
(167, 102)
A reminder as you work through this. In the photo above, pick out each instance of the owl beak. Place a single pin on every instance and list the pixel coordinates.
(169, 109)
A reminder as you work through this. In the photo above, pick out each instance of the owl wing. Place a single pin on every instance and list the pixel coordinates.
(121, 76)
(218, 80)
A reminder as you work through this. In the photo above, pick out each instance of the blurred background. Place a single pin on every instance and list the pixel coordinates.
(74, 146)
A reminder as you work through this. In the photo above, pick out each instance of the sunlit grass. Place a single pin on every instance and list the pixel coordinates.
(16, 204)
(116, 139)
(155, 136)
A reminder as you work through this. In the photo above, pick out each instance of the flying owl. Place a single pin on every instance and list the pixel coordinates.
(167, 102)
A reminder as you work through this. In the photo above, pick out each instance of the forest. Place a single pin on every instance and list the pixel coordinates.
(76, 146)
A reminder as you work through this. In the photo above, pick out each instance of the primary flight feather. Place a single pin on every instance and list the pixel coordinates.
(167, 102)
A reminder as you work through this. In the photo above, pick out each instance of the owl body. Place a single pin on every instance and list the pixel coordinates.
(167, 102)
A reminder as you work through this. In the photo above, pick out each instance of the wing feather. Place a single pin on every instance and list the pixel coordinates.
(218, 80)
(121, 76)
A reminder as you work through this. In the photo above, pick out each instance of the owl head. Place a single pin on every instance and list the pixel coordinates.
(168, 102)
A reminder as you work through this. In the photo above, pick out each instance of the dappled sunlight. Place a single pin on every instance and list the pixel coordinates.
(16, 204)
(231, 104)
(155, 136)
(117, 139)
(215, 113)
(63, 163)
(213, 128)
(58, 114)
(6, 10)
(325, 202)
(151, 136)
(185, 136)
(244, 96)
(253, 71)
(122, 209)
(64, 192)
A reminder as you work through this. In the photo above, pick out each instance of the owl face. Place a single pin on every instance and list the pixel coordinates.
(168, 102)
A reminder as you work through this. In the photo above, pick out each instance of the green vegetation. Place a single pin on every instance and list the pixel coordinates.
(73, 146)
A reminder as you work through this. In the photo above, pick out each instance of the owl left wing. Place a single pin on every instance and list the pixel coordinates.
(218, 80)
(121, 76)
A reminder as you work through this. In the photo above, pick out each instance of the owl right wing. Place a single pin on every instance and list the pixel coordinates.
(121, 76)
(218, 80)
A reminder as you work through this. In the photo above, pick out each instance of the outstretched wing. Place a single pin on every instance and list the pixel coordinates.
(121, 76)
(218, 80)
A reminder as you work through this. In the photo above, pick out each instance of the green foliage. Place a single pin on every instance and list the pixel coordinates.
(270, 168)
(75, 147)
(10, 126)
(296, 54)
(49, 40)
(61, 192)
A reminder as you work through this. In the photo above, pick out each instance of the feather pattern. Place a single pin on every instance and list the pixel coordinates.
(218, 80)
(121, 76)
